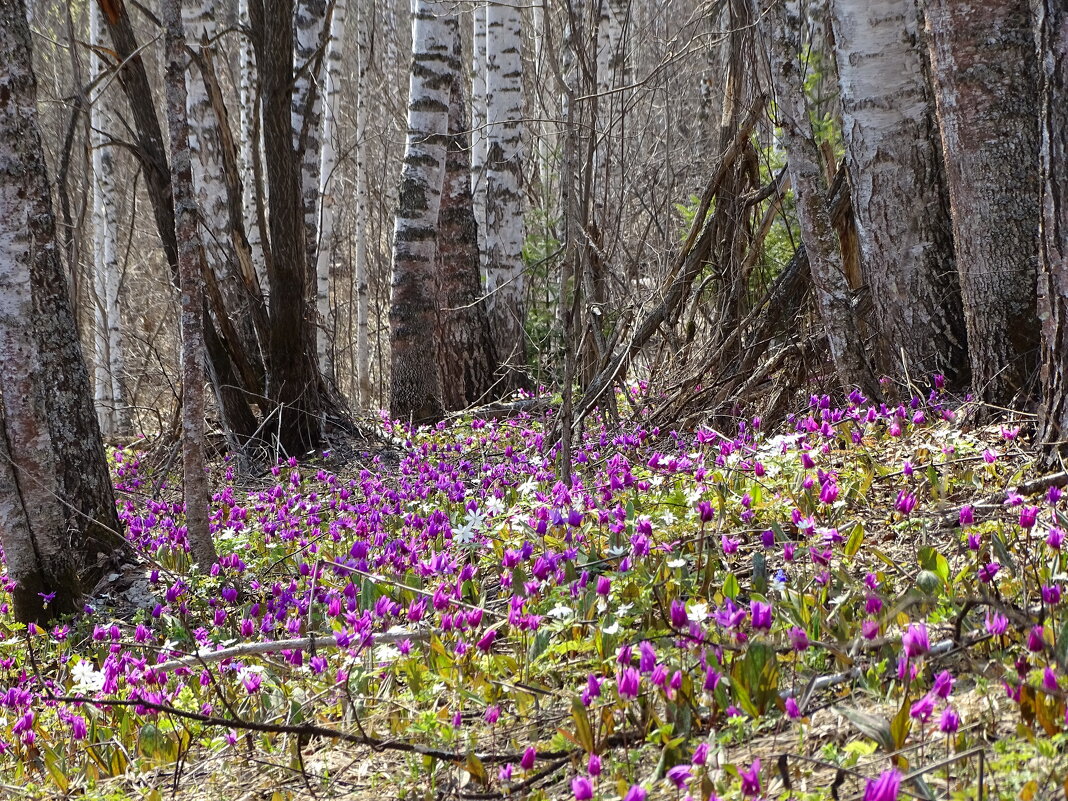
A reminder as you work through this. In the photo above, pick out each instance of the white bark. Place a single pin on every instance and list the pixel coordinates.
(308, 112)
(250, 147)
(479, 142)
(332, 95)
(363, 349)
(107, 340)
(505, 231)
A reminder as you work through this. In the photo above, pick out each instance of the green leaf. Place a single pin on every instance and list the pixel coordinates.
(731, 589)
(583, 729)
(856, 539)
(878, 729)
(932, 560)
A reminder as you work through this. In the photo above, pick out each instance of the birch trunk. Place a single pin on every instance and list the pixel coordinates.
(900, 203)
(415, 387)
(308, 27)
(466, 357)
(190, 256)
(108, 345)
(363, 350)
(505, 282)
(813, 209)
(325, 332)
(1052, 27)
(479, 141)
(250, 150)
(57, 509)
(225, 248)
(986, 92)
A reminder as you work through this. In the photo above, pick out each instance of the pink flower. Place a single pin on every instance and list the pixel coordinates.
(582, 788)
(885, 788)
(528, 758)
(915, 641)
(628, 683)
(760, 614)
(798, 639)
(949, 722)
(635, 793)
(792, 709)
(967, 515)
(751, 779)
(1035, 639)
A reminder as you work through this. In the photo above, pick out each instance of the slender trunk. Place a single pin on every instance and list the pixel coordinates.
(986, 92)
(900, 203)
(505, 282)
(250, 149)
(813, 209)
(363, 349)
(466, 356)
(57, 509)
(307, 116)
(325, 332)
(479, 142)
(190, 261)
(109, 361)
(415, 386)
(1052, 28)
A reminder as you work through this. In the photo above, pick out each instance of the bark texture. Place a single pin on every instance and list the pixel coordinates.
(813, 208)
(900, 203)
(1052, 30)
(415, 385)
(466, 357)
(986, 91)
(190, 260)
(295, 387)
(505, 282)
(57, 510)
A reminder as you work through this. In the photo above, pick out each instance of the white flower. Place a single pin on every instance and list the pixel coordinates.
(561, 612)
(87, 679)
(668, 518)
(697, 613)
(676, 563)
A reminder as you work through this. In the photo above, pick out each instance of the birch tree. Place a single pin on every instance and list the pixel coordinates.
(505, 282)
(415, 385)
(986, 91)
(1052, 28)
(897, 184)
(328, 161)
(108, 345)
(479, 141)
(57, 509)
(363, 349)
(307, 115)
(190, 256)
(250, 150)
(807, 176)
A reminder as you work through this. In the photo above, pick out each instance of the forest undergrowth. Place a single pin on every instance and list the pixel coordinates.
(866, 602)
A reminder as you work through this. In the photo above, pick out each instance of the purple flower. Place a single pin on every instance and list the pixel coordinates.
(943, 684)
(492, 714)
(729, 616)
(915, 641)
(829, 492)
(906, 502)
(635, 793)
(1055, 539)
(922, 709)
(729, 544)
(949, 722)
(526, 762)
(967, 516)
(1028, 516)
(996, 623)
(869, 629)
(700, 754)
(678, 614)
(988, 571)
(628, 683)
(761, 615)
(78, 729)
(604, 585)
(751, 779)
(884, 788)
(486, 642)
(251, 682)
(798, 639)
(792, 709)
(1035, 639)
(1051, 594)
(593, 765)
(582, 788)
(679, 775)
(1049, 680)
(647, 657)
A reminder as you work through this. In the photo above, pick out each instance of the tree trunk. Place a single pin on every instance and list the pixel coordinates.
(227, 362)
(479, 142)
(415, 386)
(466, 356)
(222, 238)
(108, 345)
(250, 149)
(190, 265)
(985, 75)
(898, 191)
(813, 209)
(57, 510)
(325, 331)
(1052, 28)
(307, 115)
(363, 210)
(295, 387)
(505, 282)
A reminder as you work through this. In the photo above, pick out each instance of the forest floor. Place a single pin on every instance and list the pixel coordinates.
(863, 603)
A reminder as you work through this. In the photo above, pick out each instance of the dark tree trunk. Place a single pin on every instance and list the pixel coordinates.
(231, 366)
(986, 92)
(295, 386)
(190, 272)
(466, 354)
(1052, 28)
(57, 510)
